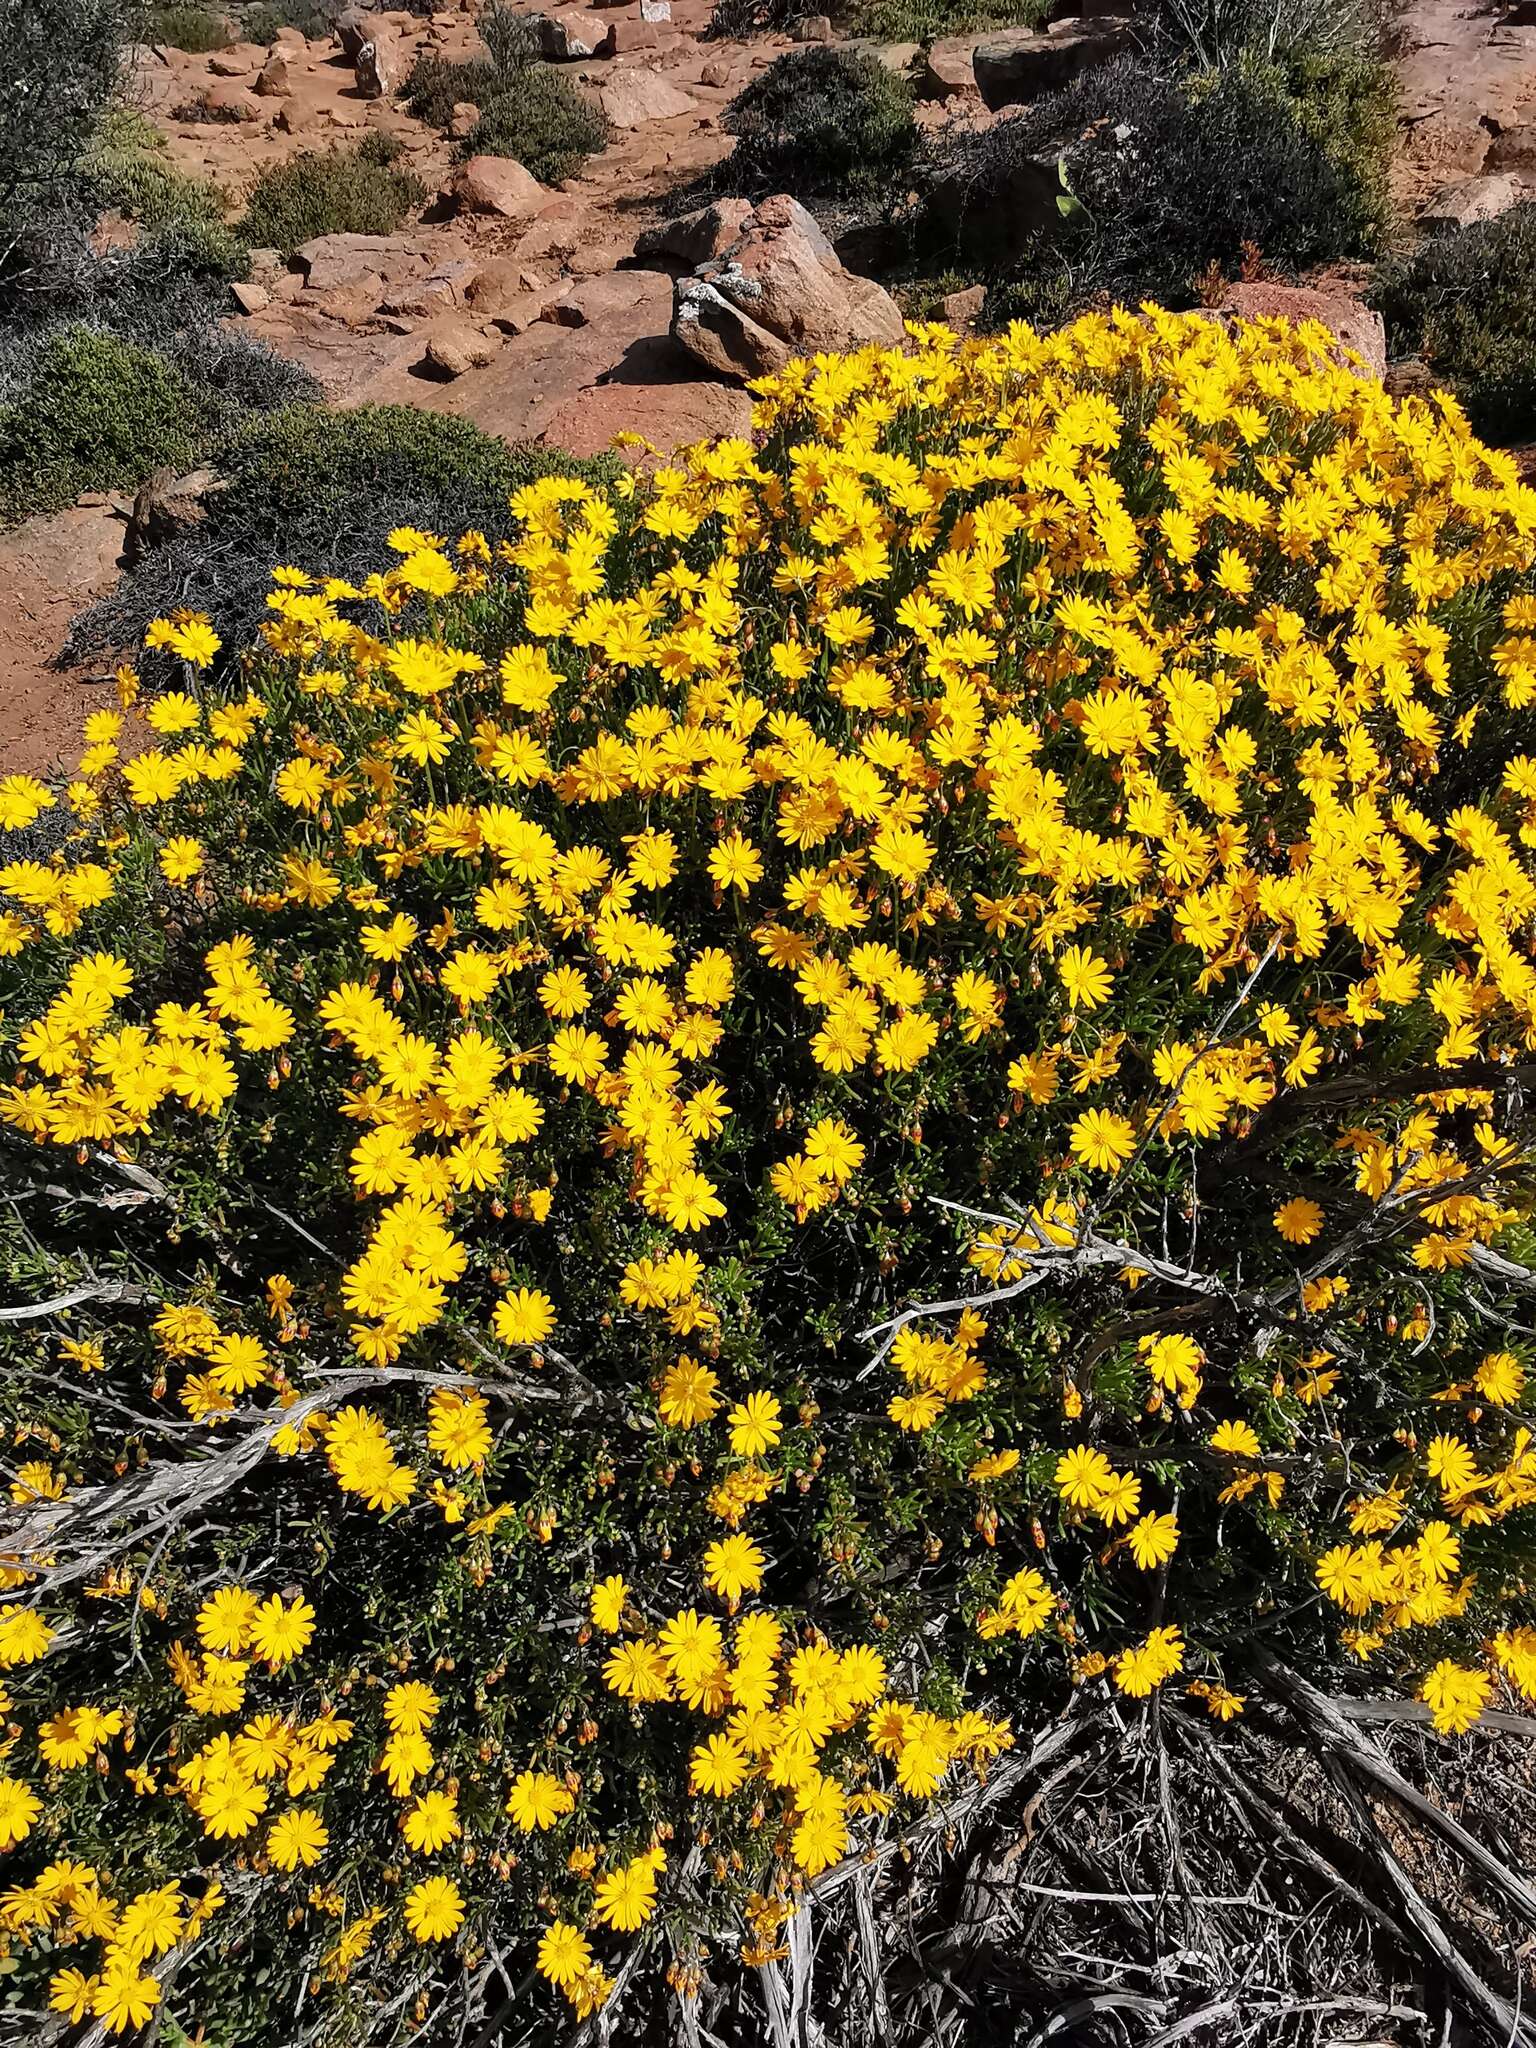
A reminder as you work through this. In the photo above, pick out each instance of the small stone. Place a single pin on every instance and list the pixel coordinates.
(232, 102)
(293, 119)
(812, 28)
(457, 348)
(715, 74)
(463, 121)
(655, 10)
(223, 65)
(496, 185)
(250, 298)
(961, 309)
(272, 81)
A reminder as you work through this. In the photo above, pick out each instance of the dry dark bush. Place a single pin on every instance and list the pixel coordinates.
(1467, 303)
(821, 120)
(1144, 176)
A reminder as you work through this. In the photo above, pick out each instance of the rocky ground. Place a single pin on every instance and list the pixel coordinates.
(574, 314)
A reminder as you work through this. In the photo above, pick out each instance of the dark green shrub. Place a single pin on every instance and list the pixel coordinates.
(886, 21)
(437, 85)
(126, 169)
(544, 122)
(737, 21)
(310, 17)
(197, 29)
(204, 111)
(821, 120)
(356, 191)
(925, 21)
(1466, 302)
(324, 489)
(93, 412)
(1346, 101)
(174, 278)
(1164, 176)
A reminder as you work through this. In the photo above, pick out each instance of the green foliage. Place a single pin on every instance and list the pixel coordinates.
(314, 467)
(926, 21)
(191, 28)
(1224, 31)
(310, 17)
(62, 63)
(1346, 102)
(821, 120)
(1466, 302)
(126, 169)
(738, 21)
(95, 412)
(356, 191)
(1165, 176)
(887, 21)
(325, 488)
(544, 122)
(437, 85)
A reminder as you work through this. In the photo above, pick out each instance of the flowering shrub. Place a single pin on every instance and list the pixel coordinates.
(698, 1165)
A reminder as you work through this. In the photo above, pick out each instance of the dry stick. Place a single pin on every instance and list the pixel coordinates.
(1293, 1843)
(98, 1290)
(1500, 2015)
(1322, 1718)
(1228, 2008)
(968, 1805)
(1492, 1720)
(869, 1956)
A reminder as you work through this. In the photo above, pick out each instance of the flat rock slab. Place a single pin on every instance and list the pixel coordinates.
(1353, 322)
(1467, 201)
(1017, 66)
(630, 99)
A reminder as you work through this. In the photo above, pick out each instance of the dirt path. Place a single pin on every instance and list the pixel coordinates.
(49, 569)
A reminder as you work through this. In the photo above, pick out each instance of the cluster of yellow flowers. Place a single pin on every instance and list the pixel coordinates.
(1072, 738)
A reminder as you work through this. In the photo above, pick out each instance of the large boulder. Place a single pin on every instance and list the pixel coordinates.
(1355, 325)
(633, 98)
(332, 263)
(949, 70)
(497, 185)
(777, 292)
(380, 66)
(1466, 201)
(569, 34)
(356, 26)
(1019, 64)
(695, 238)
(1513, 149)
